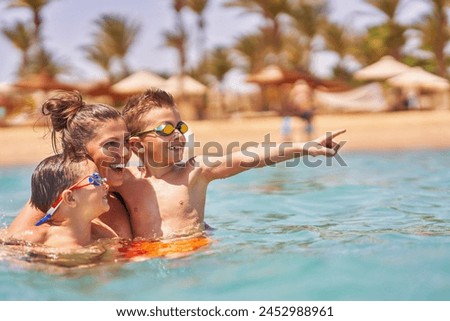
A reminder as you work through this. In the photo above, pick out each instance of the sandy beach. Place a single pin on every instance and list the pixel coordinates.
(365, 132)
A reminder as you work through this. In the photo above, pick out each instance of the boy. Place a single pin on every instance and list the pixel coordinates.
(166, 197)
(71, 194)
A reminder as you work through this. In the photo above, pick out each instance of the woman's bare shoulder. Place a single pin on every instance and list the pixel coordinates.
(33, 234)
(100, 230)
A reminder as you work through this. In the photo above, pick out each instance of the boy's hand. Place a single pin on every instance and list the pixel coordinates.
(324, 145)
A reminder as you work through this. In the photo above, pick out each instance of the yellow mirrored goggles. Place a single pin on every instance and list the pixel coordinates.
(166, 129)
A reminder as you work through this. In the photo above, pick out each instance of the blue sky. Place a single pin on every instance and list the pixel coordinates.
(68, 25)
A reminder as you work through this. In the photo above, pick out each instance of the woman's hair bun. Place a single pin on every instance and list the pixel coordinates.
(62, 108)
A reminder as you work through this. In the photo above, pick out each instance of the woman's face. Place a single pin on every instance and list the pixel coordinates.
(109, 150)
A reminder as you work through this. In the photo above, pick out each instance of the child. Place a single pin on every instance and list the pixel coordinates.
(72, 194)
(166, 197)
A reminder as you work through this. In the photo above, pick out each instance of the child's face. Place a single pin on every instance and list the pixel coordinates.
(93, 197)
(109, 150)
(160, 151)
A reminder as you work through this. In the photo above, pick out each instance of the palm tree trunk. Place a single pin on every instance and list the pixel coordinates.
(37, 31)
(439, 54)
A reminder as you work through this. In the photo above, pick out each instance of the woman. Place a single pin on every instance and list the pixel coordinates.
(95, 130)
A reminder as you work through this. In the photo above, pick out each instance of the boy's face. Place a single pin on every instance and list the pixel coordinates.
(155, 149)
(94, 197)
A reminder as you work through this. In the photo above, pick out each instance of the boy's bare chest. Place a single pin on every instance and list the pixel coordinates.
(162, 207)
(158, 197)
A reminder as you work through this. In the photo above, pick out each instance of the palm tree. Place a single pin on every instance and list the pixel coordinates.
(370, 47)
(252, 49)
(220, 64)
(45, 63)
(178, 5)
(387, 7)
(338, 41)
(177, 40)
(38, 57)
(115, 35)
(295, 51)
(436, 35)
(308, 20)
(100, 56)
(199, 6)
(200, 71)
(391, 32)
(21, 37)
(36, 7)
(271, 11)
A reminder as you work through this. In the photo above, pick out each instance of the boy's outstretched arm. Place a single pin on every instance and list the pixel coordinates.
(266, 153)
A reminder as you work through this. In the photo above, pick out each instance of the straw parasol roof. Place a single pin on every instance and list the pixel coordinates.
(274, 75)
(383, 69)
(418, 78)
(6, 88)
(137, 83)
(43, 82)
(190, 86)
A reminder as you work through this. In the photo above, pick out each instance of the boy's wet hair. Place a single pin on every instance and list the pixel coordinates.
(52, 176)
(139, 105)
(75, 121)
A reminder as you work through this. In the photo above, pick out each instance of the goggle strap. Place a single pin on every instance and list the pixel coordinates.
(43, 220)
(48, 215)
(50, 212)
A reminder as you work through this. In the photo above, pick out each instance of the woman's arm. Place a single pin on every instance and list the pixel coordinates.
(26, 218)
(117, 218)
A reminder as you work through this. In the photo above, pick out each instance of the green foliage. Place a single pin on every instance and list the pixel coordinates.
(389, 8)
(177, 40)
(36, 59)
(113, 38)
(289, 36)
(436, 35)
(220, 63)
(20, 36)
(252, 49)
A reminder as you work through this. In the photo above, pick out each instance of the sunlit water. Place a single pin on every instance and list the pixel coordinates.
(377, 229)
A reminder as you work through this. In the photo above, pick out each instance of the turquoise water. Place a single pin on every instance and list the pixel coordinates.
(377, 229)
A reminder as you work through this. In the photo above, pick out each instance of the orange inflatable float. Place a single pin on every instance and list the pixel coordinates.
(154, 249)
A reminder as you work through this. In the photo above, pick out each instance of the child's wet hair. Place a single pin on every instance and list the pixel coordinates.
(139, 105)
(75, 121)
(52, 176)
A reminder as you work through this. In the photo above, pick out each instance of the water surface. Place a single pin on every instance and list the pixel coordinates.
(377, 229)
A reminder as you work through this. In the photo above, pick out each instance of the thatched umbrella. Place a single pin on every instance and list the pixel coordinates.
(177, 85)
(279, 81)
(137, 83)
(6, 88)
(191, 95)
(274, 75)
(418, 78)
(383, 69)
(43, 82)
